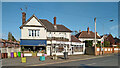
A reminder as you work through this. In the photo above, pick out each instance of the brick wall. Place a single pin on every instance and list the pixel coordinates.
(106, 50)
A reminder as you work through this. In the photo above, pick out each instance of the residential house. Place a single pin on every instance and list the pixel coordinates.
(117, 41)
(9, 46)
(88, 35)
(109, 37)
(41, 36)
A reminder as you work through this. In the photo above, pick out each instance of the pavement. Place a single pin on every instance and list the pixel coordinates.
(74, 60)
(101, 61)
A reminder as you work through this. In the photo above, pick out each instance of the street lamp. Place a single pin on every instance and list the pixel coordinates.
(95, 34)
(103, 34)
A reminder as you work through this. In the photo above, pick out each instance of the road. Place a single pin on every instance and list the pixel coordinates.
(103, 61)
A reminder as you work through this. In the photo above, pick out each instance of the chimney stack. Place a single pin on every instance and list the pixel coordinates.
(54, 20)
(88, 30)
(79, 30)
(23, 17)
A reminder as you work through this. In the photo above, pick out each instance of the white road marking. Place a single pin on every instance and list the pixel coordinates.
(91, 64)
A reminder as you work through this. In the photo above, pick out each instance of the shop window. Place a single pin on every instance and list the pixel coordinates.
(60, 49)
(78, 48)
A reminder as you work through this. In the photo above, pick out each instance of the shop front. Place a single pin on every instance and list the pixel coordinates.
(33, 47)
(59, 47)
(77, 48)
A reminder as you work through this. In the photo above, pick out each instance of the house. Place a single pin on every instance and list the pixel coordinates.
(40, 36)
(88, 35)
(6, 47)
(109, 37)
(117, 41)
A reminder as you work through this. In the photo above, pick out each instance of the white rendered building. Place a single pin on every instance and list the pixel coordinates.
(41, 36)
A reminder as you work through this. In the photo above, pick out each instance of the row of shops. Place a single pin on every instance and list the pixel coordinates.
(49, 48)
(52, 47)
(57, 49)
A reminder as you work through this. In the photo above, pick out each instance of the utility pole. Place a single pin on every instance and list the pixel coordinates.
(95, 34)
(103, 38)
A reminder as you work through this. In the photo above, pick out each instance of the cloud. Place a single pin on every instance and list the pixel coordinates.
(114, 27)
(2, 35)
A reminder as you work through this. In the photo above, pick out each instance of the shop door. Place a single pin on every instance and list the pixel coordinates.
(48, 50)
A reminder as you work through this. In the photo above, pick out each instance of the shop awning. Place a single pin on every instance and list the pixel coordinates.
(33, 42)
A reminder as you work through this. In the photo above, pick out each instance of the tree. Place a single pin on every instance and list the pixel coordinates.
(106, 44)
(11, 37)
(98, 44)
(88, 43)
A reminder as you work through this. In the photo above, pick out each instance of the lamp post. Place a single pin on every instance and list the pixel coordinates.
(103, 34)
(95, 34)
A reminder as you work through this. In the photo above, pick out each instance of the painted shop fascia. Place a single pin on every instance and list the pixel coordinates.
(41, 36)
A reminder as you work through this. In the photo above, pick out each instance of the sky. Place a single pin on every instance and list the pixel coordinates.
(74, 15)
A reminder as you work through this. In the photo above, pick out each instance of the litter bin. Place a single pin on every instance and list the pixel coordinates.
(42, 58)
(65, 55)
(19, 54)
(23, 59)
(15, 54)
(12, 55)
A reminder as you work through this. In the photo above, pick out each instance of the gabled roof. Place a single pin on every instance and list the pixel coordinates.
(48, 25)
(74, 39)
(85, 34)
(29, 20)
(51, 27)
(110, 39)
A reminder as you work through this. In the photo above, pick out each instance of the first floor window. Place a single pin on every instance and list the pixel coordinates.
(34, 33)
(29, 32)
(37, 32)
